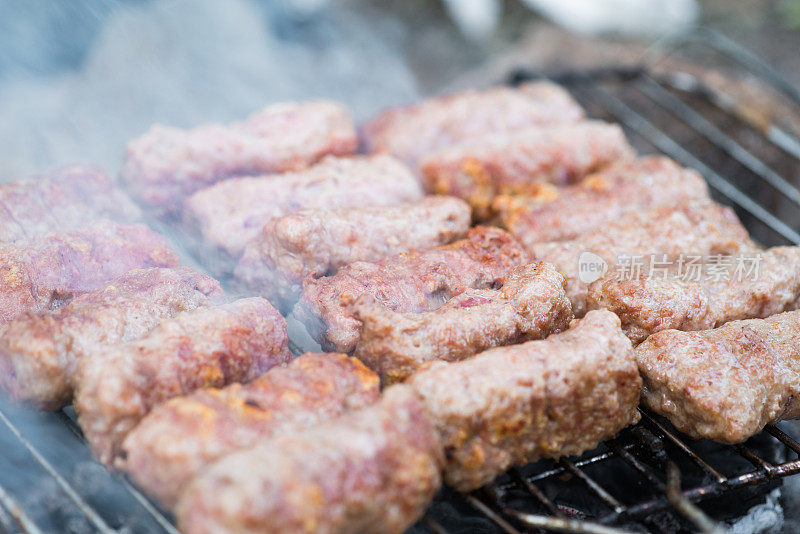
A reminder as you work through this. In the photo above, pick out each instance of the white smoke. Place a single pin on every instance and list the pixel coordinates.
(762, 518)
(184, 62)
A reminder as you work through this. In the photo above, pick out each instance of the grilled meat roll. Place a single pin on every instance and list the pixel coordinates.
(165, 165)
(701, 227)
(373, 470)
(541, 399)
(45, 273)
(62, 199)
(724, 384)
(39, 350)
(561, 213)
(413, 282)
(179, 438)
(230, 214)
(521, 161)
(722, 291)
(531, 304)
(315, 243)
(207, 347)
(411, 132)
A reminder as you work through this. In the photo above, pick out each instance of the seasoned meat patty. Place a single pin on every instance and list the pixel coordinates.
(724, 384)
(531, 304)
(207, 347)
(701, 227)
(62, 199)
(560, 213)
(315, 243)
(413, 282)
(44, 273)
(232, 213)
(541, 399)
(649, 304)
(519, 162)
(179, 438)
(39, 350)
(411, 132)
(373, 470)
(165, 165)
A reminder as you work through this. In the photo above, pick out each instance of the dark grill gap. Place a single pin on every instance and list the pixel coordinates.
(649, 479)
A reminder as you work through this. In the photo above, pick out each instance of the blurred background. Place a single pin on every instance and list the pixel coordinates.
(79, 78)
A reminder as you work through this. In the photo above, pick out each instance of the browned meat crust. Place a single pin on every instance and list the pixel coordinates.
(411, 132)
(531, 304)
(39, 351)
(230, 214)
(645, 306)
(560, 213)
(180, 437)
(650, 304)
(165, 165)
(374, 470)
(42, 274)
(542, 399)
(701, 227)
(724, 384)
(63, 199)
(206, 347)
(315, 243)
(413, 282)
(519, 162)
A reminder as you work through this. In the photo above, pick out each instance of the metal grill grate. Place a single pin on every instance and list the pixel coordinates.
(650, 478)
(647, 479)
